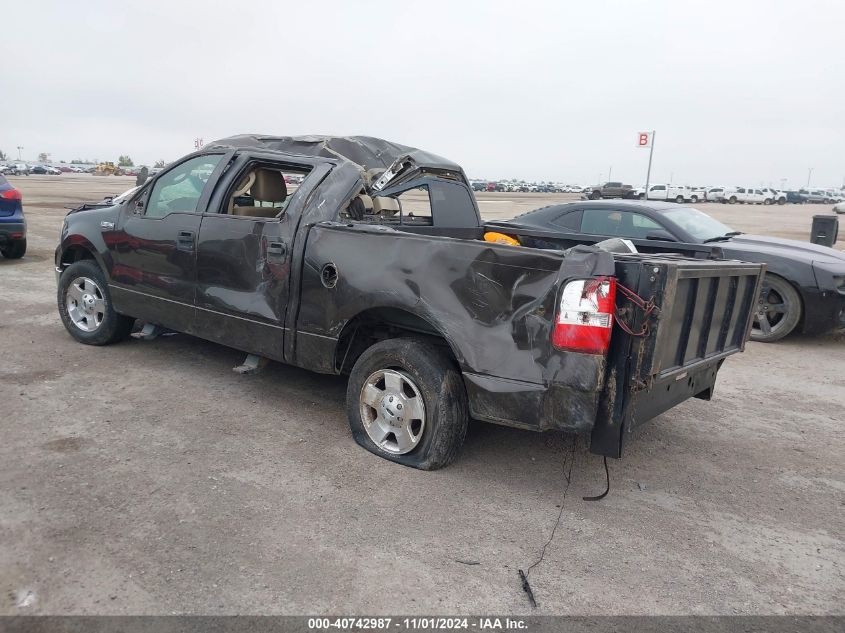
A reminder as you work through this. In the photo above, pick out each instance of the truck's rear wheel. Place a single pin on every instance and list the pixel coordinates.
(595, 195)
(778, 310)
(85, 306)
(406, 402)
(732, 200)
(679, 199)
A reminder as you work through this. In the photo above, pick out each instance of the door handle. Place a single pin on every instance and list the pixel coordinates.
(277, 250)
(185, 241)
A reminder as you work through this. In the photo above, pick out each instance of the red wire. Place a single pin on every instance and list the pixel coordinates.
(648, 308)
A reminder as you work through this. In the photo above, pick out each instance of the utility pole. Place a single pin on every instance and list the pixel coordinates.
(650, 155)
(610, 173)
(809, 173)
(20, 147)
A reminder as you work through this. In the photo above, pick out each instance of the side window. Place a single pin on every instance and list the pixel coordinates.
(642, 225)
(617, 223)
(416, 206)
(571, 220)
(263, 191)
(180, 188)
(602, 222)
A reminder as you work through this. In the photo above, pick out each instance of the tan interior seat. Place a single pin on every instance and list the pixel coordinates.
(368, 202)
(268, 186)
(385, 206)
(243, 187)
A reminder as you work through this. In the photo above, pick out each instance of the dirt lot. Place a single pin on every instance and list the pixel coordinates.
(148, 478)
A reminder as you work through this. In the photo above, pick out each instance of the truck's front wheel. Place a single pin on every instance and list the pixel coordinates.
(85, 306)
(406, 402)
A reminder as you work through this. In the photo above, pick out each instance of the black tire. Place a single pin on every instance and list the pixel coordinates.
(595, 195)
(641, 196)
(679, 199)
(15, 250)
(767, 201)
(732, 200)
(776, 292)
(694, 199)
(781, 200)
(114, 327)
(443, 393)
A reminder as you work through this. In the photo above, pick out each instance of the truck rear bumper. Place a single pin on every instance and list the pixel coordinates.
(534, 406)
(611, 433)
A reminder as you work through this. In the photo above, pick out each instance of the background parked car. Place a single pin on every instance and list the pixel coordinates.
(815, 196)
(775, 196)
(16, 169)
(44, 170)
(714, 194)
(610, 190)
(675, 193)
(12, 222)
(697, 194)
(804, 285)
(746, 195)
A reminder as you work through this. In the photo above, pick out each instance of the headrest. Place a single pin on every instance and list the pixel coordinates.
(367, 200)
(269, 186)
(385, 206)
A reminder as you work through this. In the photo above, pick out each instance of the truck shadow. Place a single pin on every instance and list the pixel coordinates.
(504, 457)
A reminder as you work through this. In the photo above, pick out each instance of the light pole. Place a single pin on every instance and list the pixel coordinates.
(650, 155)
(809, 173)
(20, 147)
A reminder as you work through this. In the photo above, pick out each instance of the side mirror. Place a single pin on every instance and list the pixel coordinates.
(660, 235)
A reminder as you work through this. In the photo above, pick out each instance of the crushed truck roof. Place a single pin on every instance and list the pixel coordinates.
(371, 155)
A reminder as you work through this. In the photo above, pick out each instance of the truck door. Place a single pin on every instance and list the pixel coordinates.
(154, 247)
(244, 259)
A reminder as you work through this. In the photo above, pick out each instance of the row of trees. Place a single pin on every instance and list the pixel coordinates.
(122, 161)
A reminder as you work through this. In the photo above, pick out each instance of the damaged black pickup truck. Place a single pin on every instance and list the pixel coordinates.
(353, 255)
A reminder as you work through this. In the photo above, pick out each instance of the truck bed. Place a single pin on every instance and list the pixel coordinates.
(495, 307)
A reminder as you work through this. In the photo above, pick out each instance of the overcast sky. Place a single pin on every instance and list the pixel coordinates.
(739, 92)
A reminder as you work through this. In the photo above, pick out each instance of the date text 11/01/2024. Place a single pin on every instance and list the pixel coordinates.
(418, 623)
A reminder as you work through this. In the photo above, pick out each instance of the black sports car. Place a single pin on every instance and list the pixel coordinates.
(804, 287)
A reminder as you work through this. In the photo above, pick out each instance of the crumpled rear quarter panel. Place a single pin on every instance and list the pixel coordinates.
(494, 304)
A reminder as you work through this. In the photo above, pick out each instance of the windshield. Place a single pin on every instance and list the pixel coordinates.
(698, 224)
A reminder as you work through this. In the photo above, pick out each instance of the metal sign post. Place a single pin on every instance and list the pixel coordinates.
(647, 140)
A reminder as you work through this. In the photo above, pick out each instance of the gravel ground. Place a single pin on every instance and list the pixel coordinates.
(148, 478)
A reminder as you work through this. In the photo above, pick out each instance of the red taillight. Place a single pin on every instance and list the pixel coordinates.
(10, 194)
(584, 318)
